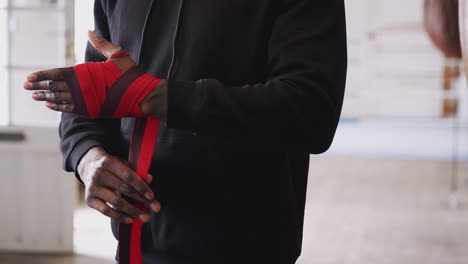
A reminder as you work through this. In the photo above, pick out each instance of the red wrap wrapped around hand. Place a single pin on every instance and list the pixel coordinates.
(101, 90)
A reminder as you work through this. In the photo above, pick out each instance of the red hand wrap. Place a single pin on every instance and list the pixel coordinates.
(101, 90)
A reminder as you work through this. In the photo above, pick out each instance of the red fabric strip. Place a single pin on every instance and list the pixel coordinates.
(75, 90)
(135, 243)
(95, 79)
(95, 71)
(125, 231)
(142, 146)
(129, 97)
(112, 72)
(118, 55)
(86, 85)
(147, 148)
(116, 92)
(136, 110)
(135, 93)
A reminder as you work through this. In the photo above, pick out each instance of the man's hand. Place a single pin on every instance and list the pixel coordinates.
(103, 176)
(50, 85)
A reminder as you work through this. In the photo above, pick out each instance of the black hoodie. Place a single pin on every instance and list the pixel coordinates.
(255, 86)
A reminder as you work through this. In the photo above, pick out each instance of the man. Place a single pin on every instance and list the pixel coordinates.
(249, 89)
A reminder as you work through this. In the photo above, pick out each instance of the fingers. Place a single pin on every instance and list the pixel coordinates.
(114, 183)
(49, 85)
(149, 178)
(103, 184)
(52, 74)
(56, 93)
(130, 183)
(119, 204)
(57, 97)
(61, 107)
(105, 209)
(128, 176)
(103, 46)
(53, 90)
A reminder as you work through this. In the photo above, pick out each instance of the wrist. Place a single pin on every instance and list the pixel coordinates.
(92, 154)
(155, 104)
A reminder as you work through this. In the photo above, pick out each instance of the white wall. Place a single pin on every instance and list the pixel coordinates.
(37, 198)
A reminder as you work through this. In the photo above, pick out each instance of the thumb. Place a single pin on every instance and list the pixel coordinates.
(102, 45)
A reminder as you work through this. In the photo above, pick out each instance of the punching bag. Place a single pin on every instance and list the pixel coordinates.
(442, 24)
(463, 4)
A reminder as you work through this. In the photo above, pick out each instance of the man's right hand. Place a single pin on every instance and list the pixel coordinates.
(103, 176)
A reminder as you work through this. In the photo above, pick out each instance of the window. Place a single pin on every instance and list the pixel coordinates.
(83, 23)
(3, 64)
(34, 35)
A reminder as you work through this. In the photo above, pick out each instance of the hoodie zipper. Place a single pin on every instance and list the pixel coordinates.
(176, 33)
(174, 40)
(148, 13)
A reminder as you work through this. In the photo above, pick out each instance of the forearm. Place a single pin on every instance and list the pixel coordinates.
(291, 114)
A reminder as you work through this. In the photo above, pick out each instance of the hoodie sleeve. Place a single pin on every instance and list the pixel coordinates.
(300, 104)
